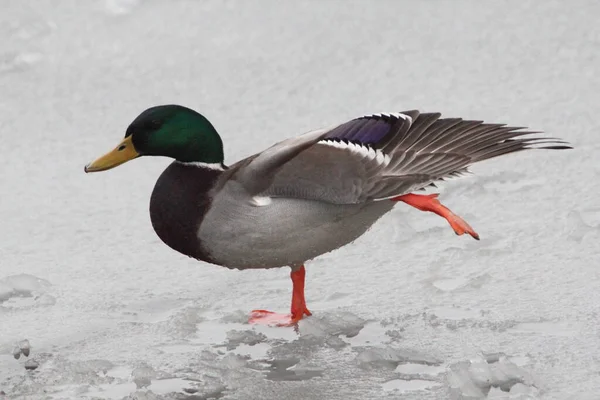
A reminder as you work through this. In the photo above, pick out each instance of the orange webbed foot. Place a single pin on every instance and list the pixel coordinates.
(298, 309)
(461, 226)
(271, 318)
(430, 203)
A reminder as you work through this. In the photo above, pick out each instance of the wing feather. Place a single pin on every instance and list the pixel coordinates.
(381, 156)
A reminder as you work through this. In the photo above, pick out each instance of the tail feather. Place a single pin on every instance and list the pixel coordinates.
(427, 148)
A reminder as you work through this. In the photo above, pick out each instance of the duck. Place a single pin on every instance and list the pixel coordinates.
(307, 195)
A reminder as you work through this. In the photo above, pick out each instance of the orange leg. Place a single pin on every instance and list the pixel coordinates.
(298, 309)
(430, 202)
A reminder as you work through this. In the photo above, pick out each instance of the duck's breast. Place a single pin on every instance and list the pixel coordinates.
(179, 201)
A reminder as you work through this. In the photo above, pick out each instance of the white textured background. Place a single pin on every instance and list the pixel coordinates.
(409, 311)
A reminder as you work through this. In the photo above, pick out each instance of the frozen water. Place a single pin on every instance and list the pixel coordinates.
(247, 337)
(21, 285)
(142, 376)
(403, 386)
(121, 6)
(420, 370)
(389, 357)
(475, 379)
(408, 311)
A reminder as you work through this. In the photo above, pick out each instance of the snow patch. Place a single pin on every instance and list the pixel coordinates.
(344, 324)
(24, 290)
(372, 334)
(247, 337)
(450, 284)
(119, 391)
(460, 282)
(121, 7)
(410, 385)
(419, 369)
(563, 328)
(390, 358)
(476, 378)
(292, 370)
(455, 313)
(514, 185)
(10, 62)
(577, 228)
(143, 375)
(254, 352)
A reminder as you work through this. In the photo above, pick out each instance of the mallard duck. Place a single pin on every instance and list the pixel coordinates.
(304, 196)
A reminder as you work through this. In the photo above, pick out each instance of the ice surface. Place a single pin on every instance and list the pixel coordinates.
(392, 357)
(475, 379)
(403, 386)
(143, 375)
(21, 285)
(119, 7)
(409, 311)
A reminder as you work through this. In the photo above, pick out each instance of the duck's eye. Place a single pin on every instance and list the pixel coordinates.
(121, 147)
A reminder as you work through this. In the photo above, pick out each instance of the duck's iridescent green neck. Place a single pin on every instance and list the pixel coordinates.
(177, 132)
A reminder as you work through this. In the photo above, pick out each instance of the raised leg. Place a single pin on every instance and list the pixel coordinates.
(298, 308)
(429, 202)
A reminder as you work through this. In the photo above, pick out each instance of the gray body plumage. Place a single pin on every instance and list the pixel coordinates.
(285, 231)
(317, 192)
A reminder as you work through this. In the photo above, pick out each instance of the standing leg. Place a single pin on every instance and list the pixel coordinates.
(298, 307)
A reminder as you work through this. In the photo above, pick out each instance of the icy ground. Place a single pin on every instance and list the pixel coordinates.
(409, 311)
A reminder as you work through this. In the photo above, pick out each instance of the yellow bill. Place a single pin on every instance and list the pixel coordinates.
(119, 155)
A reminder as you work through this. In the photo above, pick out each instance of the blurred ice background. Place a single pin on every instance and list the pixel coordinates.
(92, 305)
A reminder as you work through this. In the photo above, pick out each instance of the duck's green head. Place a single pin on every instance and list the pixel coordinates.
(171, 131)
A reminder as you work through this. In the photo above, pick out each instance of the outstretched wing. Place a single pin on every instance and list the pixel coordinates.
(381, 156)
